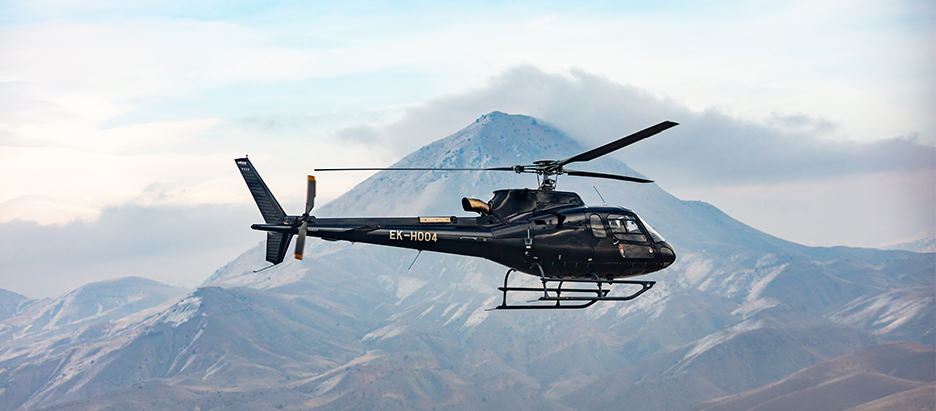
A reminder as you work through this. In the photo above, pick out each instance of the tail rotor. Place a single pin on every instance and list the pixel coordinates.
(304, 225)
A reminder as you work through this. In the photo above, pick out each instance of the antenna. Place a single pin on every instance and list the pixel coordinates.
(264, 268)
(414, 260)
(603, 202)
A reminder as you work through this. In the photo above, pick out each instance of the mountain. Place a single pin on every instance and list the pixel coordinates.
(923, 245)
(51, 341)
(10, 303)
(351, 326)
(99, 301)
(848, 381)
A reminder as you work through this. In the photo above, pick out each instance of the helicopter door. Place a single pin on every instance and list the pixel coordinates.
(559, 245)
(603, 243)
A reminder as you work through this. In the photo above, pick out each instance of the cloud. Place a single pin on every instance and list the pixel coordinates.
(802, 122)
(708, 147)
(175, 245)
(359, 134)
(790, 174)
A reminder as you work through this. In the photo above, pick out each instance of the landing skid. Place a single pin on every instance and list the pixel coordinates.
(580, 297)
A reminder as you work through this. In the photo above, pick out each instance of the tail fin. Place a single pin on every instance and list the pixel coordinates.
(269, 207)
(277, 243)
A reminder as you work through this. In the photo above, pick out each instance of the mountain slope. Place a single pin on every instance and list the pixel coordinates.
(42, 339)
(847, 381)
(10, 303)
(919, 398)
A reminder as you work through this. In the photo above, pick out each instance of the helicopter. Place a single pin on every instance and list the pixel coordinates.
(574, 249)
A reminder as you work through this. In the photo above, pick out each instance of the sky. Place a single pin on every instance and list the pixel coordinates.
(810, 120)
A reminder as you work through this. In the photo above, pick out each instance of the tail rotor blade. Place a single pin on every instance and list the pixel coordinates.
(310, 195)
(300, 241)
(304, 227)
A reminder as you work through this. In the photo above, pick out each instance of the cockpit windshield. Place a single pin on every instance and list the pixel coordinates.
(624, 227)
(657, 238)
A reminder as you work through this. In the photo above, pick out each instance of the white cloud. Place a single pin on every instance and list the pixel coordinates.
(709, 146)
(781, 175)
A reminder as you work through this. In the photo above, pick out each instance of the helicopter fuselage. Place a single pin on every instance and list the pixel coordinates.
(575, 241)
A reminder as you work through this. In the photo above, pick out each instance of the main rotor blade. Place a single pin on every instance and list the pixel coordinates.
(603, 175)
(418, 169)
(619, 143)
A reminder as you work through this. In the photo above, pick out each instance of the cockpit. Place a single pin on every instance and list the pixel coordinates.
(631, 234)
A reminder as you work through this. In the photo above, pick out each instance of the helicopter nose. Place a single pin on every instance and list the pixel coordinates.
(667, 255)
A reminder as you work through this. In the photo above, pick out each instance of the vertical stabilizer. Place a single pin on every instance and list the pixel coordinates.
(277, 243)
(269, 207)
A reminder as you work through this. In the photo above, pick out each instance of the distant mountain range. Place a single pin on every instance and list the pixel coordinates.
(742, 319)
(923, 245)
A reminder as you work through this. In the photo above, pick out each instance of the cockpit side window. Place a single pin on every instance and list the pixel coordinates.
(597, 228)
(624, 227)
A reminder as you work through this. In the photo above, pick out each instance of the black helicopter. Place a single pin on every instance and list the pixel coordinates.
(543, 232)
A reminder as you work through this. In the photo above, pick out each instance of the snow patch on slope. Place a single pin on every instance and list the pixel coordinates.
(384, 333)
(479, 314)
(886, 312)
(711, 340)
(696, 269)
(753, 303)
(406, 286)
(182, 311)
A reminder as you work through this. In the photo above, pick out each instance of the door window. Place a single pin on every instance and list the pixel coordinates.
(597, 228)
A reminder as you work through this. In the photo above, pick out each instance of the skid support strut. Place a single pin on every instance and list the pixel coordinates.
(557, 297)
